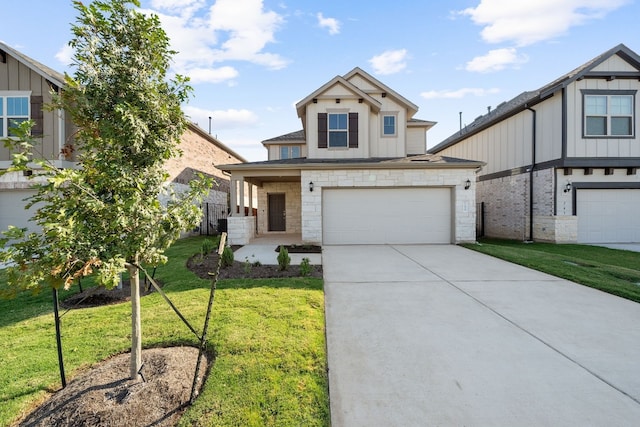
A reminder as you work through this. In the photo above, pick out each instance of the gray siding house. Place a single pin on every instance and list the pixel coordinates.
(561, 161)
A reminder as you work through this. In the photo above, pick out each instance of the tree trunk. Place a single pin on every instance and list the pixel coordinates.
(136, 330)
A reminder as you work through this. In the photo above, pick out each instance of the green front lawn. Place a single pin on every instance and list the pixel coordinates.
(268, 335)
(614, 271)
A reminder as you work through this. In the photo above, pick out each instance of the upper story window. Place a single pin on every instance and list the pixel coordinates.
(338, 128)
(389, 125)
(14, 109)
(290, 152)
(608, 114)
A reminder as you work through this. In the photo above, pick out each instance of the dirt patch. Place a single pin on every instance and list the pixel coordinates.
(97, 296)
(105, 396)
(202, 266)
(302, 249)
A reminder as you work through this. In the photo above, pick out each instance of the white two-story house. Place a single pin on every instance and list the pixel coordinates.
(357, 173)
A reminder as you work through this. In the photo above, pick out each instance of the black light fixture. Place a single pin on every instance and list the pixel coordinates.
(311, 186)
(567, 187)
(467, 185)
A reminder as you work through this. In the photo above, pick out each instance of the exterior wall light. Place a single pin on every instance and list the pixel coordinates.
(467, 185)
(311, 186)
(567, 187)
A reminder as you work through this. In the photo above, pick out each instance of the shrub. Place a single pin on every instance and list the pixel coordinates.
(227, 257)
(207, 247)
(284, 259)
(305, 267)
(247, 266)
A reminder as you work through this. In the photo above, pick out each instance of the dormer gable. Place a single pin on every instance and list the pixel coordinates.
(337, 88)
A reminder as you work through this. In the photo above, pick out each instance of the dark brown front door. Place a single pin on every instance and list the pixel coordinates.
(277, 218)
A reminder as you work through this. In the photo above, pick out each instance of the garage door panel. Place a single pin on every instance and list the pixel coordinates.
(377, 215)
(608, 215)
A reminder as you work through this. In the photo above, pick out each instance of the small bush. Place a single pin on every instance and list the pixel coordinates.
(207, 247)
(227, 257)
(247, 266)
(305, 267)
(284, 259)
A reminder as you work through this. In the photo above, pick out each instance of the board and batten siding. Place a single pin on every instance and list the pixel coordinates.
(507, 145)
(577, 146)
(16, 76)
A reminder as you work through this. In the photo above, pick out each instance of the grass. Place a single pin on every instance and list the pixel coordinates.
(268, 337)
(614, 271)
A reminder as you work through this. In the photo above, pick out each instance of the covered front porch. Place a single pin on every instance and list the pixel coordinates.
(264, 203)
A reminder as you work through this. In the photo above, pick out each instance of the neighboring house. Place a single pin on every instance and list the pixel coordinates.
(357, 173)
(25, 86)
(562, 161)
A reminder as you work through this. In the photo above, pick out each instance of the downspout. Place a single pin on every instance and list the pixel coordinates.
(533, 164)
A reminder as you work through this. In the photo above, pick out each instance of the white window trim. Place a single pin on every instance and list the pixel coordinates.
(345, 111)
(608, 115)
(4, 94)
(290, 151)
(387, 114)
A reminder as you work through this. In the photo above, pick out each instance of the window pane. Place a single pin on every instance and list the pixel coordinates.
(337, 139)
(595, 105)
(295, 152)
(17, 106)
(1, 128)
(1, 107)
(13, 122)
(389, 125)
(284, 152)
(337, 121)
(620, 125)
(596, 125)
(621, 104)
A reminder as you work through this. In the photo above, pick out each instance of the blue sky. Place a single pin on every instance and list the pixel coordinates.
(250, 61)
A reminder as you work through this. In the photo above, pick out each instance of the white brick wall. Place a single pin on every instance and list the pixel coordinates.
(464, 200)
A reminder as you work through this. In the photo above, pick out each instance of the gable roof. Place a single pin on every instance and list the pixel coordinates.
(528, 99)
(413, 108)
(301, 106)
(203, 134)
(50, 74)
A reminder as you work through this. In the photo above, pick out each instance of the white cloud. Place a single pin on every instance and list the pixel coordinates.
(212, 75)
(65, 54)
(528, 22)
(389, 62)
(332, 24)
(207, 33)
(458, 94)
(495, 60)
(221, 119)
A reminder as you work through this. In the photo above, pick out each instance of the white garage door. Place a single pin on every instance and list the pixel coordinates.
(608, 216)
(12, 210)
(386, 215)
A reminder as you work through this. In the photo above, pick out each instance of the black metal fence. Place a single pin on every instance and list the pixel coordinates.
(214, 219)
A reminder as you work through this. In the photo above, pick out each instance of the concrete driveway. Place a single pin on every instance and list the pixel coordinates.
(421, 335)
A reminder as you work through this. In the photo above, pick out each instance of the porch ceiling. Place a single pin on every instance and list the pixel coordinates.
(259, 177)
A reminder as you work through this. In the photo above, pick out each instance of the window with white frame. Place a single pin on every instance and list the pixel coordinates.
(14, 109)
(338, 130)
(609, 114)
(290, 152)
(389, 125)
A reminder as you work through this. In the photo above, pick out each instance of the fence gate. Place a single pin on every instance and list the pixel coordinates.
(214, 219)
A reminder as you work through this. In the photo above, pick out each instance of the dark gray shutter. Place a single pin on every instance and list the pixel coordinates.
(353, 130)
(37, 116)
(322, 130)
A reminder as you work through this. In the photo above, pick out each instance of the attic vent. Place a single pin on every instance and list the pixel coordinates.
(3, 56)
(315, 100)
(384, 94)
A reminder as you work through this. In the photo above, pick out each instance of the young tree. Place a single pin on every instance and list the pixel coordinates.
(105, 217)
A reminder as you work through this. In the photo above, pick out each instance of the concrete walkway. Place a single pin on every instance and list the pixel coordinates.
(263, 249)
(444, 336)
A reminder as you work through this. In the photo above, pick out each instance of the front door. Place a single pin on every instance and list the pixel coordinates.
(277, 216)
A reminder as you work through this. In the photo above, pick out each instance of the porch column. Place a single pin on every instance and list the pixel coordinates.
(233, 195)
(241, 204)
(250, 199)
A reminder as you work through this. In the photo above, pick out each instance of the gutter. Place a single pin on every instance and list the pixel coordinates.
(533, 164)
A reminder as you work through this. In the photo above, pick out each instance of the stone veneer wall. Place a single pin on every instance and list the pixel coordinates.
(291, 192)
(464, 200)
(241, 229)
